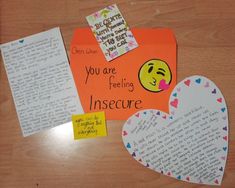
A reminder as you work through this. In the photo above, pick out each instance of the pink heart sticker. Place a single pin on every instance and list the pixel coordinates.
(137, 115)
(163, 85)
(187, 82)
(174, 103)
(124, 133)
(219, 100)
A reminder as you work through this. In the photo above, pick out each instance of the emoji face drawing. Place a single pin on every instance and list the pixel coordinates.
(155, 75)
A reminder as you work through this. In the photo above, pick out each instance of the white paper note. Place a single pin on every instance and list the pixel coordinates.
(41, 81)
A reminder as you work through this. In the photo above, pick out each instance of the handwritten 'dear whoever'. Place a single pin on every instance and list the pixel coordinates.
(191, 142)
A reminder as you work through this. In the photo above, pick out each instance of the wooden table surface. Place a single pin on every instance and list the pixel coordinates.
(205, 32)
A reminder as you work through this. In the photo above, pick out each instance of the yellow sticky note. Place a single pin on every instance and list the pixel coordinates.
(89, 125)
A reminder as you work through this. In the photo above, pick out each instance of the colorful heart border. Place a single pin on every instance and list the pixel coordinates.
(174, 103)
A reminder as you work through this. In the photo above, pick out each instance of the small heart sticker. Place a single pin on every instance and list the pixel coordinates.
(163, 85)
(174, 103)
(191, 142)
(21, 41)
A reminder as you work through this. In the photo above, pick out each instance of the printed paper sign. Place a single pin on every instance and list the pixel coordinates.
(142, 78)
(41, 81)
(191, 142)
(89, 125)
(111, 32)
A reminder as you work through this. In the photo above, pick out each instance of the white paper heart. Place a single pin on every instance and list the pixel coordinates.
(191, 142)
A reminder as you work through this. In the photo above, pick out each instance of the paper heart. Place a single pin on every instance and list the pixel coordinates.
(192, 143)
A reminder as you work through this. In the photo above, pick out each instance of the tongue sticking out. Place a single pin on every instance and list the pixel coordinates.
(163, 85)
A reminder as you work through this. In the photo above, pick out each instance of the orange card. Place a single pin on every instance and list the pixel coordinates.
(140, 79)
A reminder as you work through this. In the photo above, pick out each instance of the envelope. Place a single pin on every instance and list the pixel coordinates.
(142, 78)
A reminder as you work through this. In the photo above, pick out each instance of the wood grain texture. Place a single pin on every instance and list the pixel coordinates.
(205, 32)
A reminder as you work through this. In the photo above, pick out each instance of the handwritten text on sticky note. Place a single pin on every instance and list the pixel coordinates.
(89, 125)
(112, 32)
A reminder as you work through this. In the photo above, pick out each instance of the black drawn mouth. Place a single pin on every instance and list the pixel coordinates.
(153, 83)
